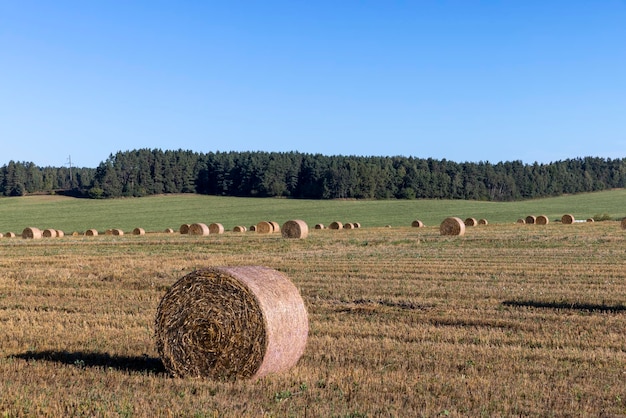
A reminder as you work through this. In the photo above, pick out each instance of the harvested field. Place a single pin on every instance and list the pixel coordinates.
(502, 321)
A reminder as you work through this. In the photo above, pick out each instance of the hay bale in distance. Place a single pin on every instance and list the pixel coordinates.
(264, 227)
(417, 224)
(530, 219)
(239, 228)
(91, 233)
(452, 226)
(336, 225)
(168, 230)
(60, 234)
(275, 226)
(31, 232)
(542, 220)
(184, 229)
(483, 221)
(623, 223)
(356, 224)
(590, 220)
(295, 229)
(118, 232)
(1, 235)
(471, 222)
(521, 221)
(231, 323)
(319, 226)
(199, 229)
(49, 233)
(348, 225)
(253, 228)
(139, 231)
(216, 228)
(9, 235)
(567, 219)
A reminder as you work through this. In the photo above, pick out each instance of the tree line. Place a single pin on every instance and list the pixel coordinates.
(313, 176)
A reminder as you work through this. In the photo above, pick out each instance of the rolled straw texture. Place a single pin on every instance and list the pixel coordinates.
(296, 228)
(530, 219)
(49, 233)
(521, 221)
(483, 222)
(319, 226)
(264, 227)
(348, 225)
(471, 222)
(216, 228)
(60, 233)
(253, 228)
(31, 233)
(590, 220)
(10, 235)
(230, 323)
(239, 228)
(452, 226)
(542, 220)
(184, 229)
(567, 219)
(336, 225)
(91, 233)
(168, 230)
(117, 232)
(275, 226)
(417, 224)
(623, 224)
(199, 229)
(139, 231)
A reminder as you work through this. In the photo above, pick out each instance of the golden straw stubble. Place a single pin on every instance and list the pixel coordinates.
(452, 226)
(230, 323)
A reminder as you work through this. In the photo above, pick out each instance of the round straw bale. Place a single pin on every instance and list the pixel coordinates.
(623, 223)
(199, 229)
(471, 222)
(542, 220)
(75, 234)
(168, 230)
(31, 233)
(108, 232)
(60, 233)
(253, 228)
(336, 225)
(139, 231)
(118, 232)
(91, 233)
(530, 219)
(567, 219)
(295, 229)
(10, 235)
(348, 225)
(239, 228)
(521, 221)
(49, 233)
(275, 226)
(184, 229)
(417, 224)
(483, 221)
(452, 226)
(1, 235)
(264, 227)
(216, 228)
(590, 220)
(319, 226)
(231, 322)
(356, 224)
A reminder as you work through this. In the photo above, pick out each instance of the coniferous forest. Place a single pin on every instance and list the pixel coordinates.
(146, 172)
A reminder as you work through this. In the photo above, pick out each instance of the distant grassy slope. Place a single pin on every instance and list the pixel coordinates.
(156, 213)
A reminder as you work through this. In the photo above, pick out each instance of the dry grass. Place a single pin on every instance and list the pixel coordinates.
(503, 321)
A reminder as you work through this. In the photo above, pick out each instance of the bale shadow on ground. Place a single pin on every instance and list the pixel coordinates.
(82, 359)
(586, 307)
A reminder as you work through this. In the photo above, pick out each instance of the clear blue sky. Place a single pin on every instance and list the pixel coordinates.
(463, 80)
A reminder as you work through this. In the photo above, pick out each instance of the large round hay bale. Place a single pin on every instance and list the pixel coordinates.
(530, 219)
(319, 226)
(60, 234)
(521, 221)
(49, 233)
(623, 223)
(184, 229)
(452, 226)
(239, 228)
(31, 232)
(231, 322)
(216, 228)
(417, 224)
(199, 229)
(542, 220)
(139, 231)
(91, 233)
(118, 232)
(336, 225)
(275, 226)
(295, 229)
(567, 219)
(471, 222)
(483, 221)
(9, 235)
(264, 227)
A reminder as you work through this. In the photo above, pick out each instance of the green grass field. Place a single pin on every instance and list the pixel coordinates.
(170, 211)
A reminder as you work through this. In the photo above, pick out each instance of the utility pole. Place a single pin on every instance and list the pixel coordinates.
(69, 161)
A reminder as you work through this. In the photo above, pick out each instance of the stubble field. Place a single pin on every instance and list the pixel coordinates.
(508, 320)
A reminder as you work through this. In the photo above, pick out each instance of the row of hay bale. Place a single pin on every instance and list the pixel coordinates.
(339, 225)
(566, 219)
(36, 233)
